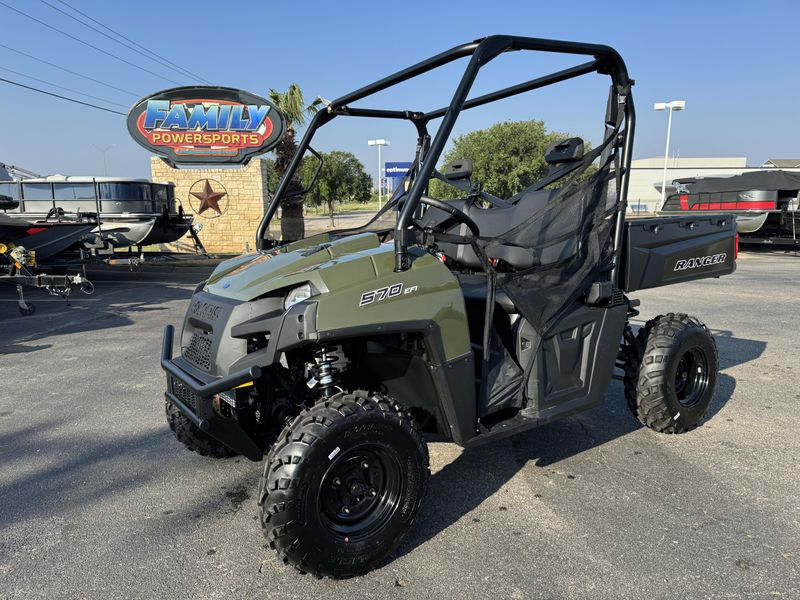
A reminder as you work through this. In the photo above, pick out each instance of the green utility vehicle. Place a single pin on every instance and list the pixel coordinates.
(470, 320)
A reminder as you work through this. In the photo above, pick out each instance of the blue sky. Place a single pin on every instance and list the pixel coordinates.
(734, 63)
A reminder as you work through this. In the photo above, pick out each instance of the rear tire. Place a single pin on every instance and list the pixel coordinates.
(192, 437)
(342, 485)
(671, 373)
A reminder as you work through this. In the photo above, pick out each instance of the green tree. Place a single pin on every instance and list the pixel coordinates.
(294, 109)
(507, 157)
(272, 174)
(341, 179)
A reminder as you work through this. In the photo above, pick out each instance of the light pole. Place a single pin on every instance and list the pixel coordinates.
(671, 106)
(104, 151)
(379, 143)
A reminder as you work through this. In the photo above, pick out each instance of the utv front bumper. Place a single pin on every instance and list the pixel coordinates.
(216, 357)
(193, 394)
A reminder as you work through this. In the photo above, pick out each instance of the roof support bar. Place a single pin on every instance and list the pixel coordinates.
(521, 88)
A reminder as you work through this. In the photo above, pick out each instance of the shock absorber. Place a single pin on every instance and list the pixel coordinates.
(324, 374)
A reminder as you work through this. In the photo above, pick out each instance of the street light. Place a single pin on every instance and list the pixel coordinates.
(104, 151)
(674, 105)
(379, 143)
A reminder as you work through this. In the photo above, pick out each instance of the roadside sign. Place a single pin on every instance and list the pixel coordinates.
(396, 170)
(198, 125)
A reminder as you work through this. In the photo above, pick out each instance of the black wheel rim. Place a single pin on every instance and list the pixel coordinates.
(360, 491)
(691, 377)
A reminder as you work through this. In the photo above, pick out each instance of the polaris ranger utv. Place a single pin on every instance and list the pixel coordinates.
(470, 319)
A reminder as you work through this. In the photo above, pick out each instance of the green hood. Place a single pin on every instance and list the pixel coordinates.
(250, 276)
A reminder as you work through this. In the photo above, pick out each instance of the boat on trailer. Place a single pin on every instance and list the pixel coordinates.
(126, 211)
(766, 203)
(44, 238)
(23, 243)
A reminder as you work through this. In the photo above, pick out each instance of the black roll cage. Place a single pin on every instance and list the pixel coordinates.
(606, 61)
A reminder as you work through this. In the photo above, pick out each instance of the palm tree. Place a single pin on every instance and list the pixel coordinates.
(293, 107)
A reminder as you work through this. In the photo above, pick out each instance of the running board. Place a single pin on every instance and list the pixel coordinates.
(525, 419)
(509, 427)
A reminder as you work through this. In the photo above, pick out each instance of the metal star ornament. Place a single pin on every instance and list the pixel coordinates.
(209, 199)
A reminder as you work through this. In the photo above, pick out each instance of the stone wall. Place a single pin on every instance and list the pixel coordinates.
(242, 206)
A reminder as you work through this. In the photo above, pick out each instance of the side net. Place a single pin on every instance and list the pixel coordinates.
(571, 236)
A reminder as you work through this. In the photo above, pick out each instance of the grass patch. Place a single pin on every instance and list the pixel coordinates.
(343, 207)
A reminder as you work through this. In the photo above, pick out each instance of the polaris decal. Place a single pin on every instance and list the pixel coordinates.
(205, 310)
(700, 261)
(383, 293)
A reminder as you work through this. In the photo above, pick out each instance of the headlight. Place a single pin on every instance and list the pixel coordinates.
(298, 294)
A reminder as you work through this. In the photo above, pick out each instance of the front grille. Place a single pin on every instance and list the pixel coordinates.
(184, 394)
(198, 352)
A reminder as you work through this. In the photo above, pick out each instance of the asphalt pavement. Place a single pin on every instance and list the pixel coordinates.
(98, 500)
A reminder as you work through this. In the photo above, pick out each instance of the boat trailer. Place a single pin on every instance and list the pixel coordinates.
(15, 269)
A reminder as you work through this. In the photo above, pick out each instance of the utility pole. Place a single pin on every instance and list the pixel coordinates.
(379, 143)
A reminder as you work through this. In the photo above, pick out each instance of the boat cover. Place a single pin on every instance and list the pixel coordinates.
(755, 180)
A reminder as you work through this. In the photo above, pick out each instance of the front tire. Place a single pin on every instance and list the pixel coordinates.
(188, 434)
(342, 485)
(671, 373)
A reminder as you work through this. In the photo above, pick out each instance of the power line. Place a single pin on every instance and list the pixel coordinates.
(148, 55)
(55, 85)
(117, 33)
(28, 87)
(85, 43)
(55, 66)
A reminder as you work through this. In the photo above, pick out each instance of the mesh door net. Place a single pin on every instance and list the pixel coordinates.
(572, 238)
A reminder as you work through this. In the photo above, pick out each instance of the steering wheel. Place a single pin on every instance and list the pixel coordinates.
(458, 215)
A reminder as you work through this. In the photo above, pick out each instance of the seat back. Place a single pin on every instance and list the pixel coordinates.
(495, 221)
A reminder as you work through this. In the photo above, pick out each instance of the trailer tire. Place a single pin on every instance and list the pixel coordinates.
(671, 373)
(342, 485)
(192, 437)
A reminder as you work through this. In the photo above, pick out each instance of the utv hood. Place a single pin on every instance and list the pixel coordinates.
(310, 260)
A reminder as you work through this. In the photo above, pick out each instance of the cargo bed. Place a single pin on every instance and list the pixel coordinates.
(664, 250)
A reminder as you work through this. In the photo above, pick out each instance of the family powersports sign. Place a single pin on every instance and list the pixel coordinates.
(206, 124)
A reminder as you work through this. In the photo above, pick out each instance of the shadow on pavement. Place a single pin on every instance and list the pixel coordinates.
(464, 484)
(734, 351)
(69, 472)
(118, 295)
(475, 475)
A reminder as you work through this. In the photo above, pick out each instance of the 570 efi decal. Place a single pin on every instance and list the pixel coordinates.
(204, 124)
(384, 293)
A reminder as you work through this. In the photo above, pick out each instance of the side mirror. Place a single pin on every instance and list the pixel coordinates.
(458, 170)
(8, 203)
(564, 151)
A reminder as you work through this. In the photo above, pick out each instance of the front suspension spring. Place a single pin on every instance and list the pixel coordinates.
(324, 373)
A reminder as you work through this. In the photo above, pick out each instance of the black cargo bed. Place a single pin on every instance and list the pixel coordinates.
(664, 250)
